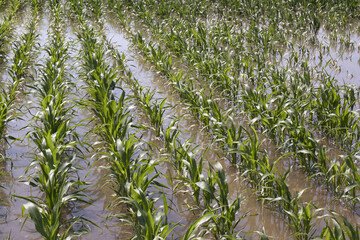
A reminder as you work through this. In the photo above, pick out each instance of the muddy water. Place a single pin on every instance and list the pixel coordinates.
(346, 58)
(338, 58)
(298, 180)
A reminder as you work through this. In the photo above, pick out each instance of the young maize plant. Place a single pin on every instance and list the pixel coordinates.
(194, 175)
(186, 165)
(36, 6)
(5, 26)
(2, 2)
(56, 141)
(155, 109)
(211, 72)
(335, 114)
(225, 223)
(205, 116)
(17, 70)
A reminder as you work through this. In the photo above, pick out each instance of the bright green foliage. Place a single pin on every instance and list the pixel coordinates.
(56, 142)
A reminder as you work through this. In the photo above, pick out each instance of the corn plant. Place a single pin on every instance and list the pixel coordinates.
(5, 26)
(171, 134)
(56, 143)
(189, 168)
(4, 35)
(22, 54)
(6, 101)
(191, 231)
(225, 220)
(338, 227)
(131, 175)
(148, 222)
(154, 109)
(274, 122)
(129, 172)
(17, 70)
(335, 114)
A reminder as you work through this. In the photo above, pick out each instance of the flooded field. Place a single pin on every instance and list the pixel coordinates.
(179, 119)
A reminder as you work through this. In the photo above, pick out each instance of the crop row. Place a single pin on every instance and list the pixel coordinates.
(6, 24)
(17, 72)
(53, 171)
(21, 50)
